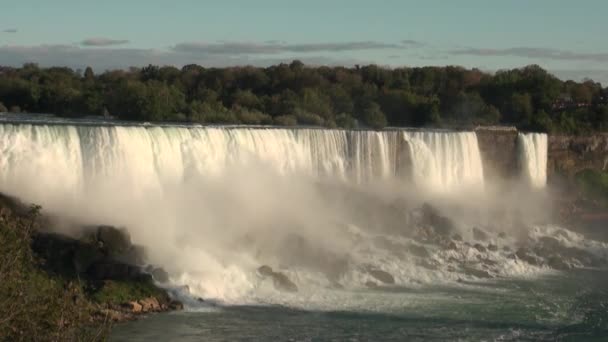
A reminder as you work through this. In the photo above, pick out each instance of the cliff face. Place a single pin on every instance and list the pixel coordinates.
(498, 148)
(570, 154)
(567, 154)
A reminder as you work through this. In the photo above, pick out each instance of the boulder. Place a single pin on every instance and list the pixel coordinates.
(280, 281)
(371, 284)
(150, 304)
(418, 251)
(158, 274)
(381, 276)
(479, 248)
(114, 241)
(479, 234)
(176, 305)
(113, 270)
(133, 307)
(441, 224)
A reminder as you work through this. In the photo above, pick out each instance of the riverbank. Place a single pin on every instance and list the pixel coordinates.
(57, 287)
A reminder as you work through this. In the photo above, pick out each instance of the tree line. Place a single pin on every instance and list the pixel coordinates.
(529, 98)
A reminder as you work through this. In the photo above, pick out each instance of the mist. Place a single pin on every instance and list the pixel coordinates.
(212, 205)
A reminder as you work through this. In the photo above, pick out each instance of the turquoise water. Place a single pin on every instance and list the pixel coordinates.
(571, 306)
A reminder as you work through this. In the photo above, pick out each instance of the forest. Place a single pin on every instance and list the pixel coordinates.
(370, 96)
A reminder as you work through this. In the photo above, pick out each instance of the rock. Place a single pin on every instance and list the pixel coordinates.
(176, 305)
(115, 241)
(526, 255)
(492, 248)
(452, 246)
(158, 274)
(476, 273)
(382, 276)
(556, 262)
(371, 284)
(479, 234)
(112, 270)
(266, 271)
(280, 281)
(85, 255)
(134, 307)
(441, 224)
(418, 251)
(150, 304)
(479, 247)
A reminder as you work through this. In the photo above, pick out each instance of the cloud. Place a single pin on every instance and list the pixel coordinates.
(10, 30)
(105, 58)
(98, 41)
(412, 43)
(535, 53)
(275, 47)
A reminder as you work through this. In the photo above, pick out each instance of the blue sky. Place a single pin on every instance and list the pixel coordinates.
(566, 37)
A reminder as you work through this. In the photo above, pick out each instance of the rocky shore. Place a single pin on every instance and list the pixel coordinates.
(75, 282)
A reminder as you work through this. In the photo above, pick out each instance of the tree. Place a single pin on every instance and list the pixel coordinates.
(89, 76)
(372, 116)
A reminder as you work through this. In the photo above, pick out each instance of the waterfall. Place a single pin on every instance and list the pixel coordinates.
(533, 158)
(443, 161)
(41, 160)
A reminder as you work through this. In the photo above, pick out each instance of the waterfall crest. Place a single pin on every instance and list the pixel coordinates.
(60, 158)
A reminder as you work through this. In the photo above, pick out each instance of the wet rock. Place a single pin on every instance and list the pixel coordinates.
(371, 284)
(134, 307)
(428, 265)
(85, 255)
(266, 271)
(176, 305)
(476, 272)
(556, 262)
(150, 304)
(115, 241)
(382, 276)
(280, 281)
(158, 274)
(479, 247)
(479, 234)
(418, 251)
(528, 256)
(492, 248)
(113, 270)
(441, 224)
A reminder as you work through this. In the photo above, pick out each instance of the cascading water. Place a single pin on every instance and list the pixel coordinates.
(533, 158)
(302, 199)
(443, 161)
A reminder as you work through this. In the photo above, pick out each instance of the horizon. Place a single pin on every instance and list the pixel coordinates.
(562, 38)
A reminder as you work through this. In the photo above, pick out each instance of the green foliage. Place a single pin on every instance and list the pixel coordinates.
(372, 116)
(529, 97)
(33, 305)
(285, 120)
(118, 292)
(593, 184)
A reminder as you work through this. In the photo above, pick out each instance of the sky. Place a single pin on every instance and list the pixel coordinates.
(564, 37)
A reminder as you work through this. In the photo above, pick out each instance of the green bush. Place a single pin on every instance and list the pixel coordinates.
(593, 184)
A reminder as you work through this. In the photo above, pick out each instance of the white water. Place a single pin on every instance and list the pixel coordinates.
(193, 196)
(533, 158)
(445, 161)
